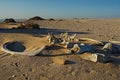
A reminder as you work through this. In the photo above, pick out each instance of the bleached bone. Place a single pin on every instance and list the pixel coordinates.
(5, 49)
(80, 48)
(73, 37)
(64, 36)
(112, 48)
(108, 47)
(96, 57)
(91, 41)
(114, 42)
(53, 40)
(61, 35)
(68, 38)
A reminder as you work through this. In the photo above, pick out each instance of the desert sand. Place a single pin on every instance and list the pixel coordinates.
(49, 65)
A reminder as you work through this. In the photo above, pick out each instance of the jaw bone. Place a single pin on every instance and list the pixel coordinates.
(6, 49)
(91, 41)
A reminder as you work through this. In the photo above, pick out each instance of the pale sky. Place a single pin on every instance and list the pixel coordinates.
(60, 8)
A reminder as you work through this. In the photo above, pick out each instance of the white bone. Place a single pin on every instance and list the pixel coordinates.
(5, 49)
(80, 48)
(91, 41)
(114, 42)
(96, 57)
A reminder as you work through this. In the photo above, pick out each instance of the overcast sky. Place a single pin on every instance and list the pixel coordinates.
(60, 8)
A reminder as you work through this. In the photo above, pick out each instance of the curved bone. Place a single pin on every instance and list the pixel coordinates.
(5, 49)
(114, 42)
(91, 41)
(80, 48)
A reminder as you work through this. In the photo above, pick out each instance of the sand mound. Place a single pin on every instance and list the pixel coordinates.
(10, 20)
(51, 19)
(36, 18)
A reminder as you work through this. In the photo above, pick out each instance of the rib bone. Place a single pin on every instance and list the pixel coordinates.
(91, 41)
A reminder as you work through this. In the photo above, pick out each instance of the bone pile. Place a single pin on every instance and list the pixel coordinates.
(76, 47)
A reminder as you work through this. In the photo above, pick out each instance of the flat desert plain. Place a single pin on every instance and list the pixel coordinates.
(44, 67)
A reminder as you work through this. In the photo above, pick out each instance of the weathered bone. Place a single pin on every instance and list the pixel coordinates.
(91, 41)
(72, 37)
(5, 49)
(96, 57)
(108, 47)
(64, 37)
(53, 40)
(68, 45)
(114, 42)
(68, 38)
(80, 48)
(111, 48)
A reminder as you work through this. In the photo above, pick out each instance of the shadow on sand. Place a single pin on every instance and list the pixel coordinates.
(38, 31)
(113, 59)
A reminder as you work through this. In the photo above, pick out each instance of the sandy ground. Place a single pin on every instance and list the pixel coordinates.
(41, 67)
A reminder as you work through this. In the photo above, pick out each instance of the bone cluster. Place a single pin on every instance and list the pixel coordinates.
(75, 46)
